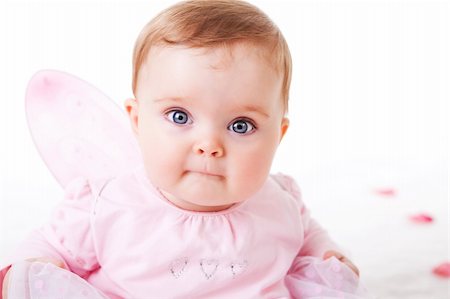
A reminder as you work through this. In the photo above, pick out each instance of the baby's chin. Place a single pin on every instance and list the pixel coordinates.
(197, 192)
(194, 199)
(205, 201)
(203, 208)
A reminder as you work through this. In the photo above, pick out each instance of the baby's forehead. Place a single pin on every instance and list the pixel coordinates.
(222, 56)
(239, 72)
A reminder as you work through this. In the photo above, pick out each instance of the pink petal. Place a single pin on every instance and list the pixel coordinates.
(442, 270)
(388, 192)
(421, 218)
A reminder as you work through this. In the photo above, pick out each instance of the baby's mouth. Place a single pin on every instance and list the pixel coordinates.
(206, 174)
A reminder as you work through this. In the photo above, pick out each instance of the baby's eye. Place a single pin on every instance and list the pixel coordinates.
(241, 126)
(178, 117)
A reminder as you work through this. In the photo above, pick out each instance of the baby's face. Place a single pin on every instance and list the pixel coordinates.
(208, 124)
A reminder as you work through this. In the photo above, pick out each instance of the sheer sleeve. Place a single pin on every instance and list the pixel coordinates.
(316, 239)
(310, 276)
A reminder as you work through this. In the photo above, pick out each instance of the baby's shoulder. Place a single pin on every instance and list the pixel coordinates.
(82, 188)
(278, 199)
(130, 187)
(286, 183)
(279, 190)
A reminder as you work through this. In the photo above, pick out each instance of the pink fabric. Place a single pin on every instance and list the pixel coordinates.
(311, 278)
(46, 281)
(126, 240)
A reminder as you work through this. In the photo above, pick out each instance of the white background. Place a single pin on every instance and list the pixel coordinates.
(369, 108)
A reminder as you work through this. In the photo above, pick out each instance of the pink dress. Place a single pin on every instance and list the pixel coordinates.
(127, 241)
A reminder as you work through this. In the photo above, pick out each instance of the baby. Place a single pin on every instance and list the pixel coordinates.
(202, 217)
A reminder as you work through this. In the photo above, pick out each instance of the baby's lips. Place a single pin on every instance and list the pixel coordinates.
(442, 270)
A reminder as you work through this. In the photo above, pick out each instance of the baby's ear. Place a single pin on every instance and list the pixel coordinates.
(132, 108)
(284, 127)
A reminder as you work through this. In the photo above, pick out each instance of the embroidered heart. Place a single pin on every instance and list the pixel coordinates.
(209, 267)
(238, 267)
(178, 266)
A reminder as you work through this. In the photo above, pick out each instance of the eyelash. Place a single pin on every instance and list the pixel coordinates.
(229, 127)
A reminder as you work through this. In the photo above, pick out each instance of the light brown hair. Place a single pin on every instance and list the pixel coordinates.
(215, 23)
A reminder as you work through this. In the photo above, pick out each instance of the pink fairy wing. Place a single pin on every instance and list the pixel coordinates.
(77, 129)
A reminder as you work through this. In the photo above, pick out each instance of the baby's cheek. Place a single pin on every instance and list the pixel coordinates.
(251, 172)
(162, 164)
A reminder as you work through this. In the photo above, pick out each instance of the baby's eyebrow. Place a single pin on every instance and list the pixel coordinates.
(172, 99)
(238, 109)
(253, 108)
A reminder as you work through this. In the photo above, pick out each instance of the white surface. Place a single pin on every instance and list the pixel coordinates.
(395, 255)
(369, 108)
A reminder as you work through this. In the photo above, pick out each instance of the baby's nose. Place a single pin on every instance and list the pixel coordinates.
(209, 148)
